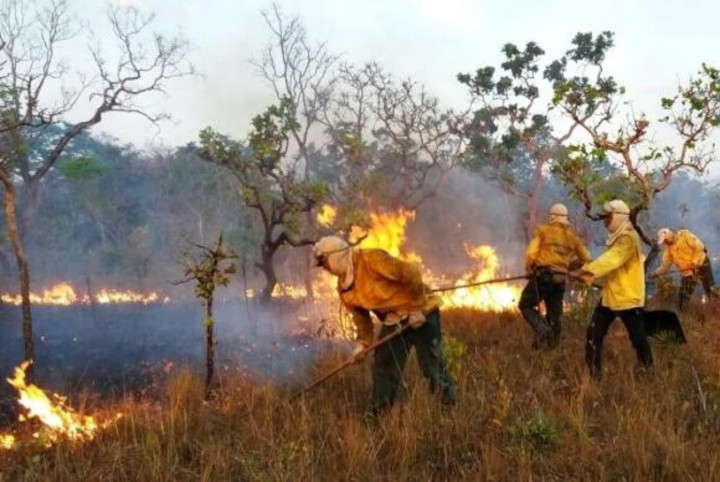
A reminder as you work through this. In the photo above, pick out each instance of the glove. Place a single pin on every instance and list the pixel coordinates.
(582, 275)
(416, 319)
(357, 354)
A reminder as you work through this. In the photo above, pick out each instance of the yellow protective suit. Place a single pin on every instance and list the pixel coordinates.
(555, 246)
(390, 287)
(687, 252)
(622, 267)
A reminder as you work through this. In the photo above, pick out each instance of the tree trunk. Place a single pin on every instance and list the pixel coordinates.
(209, 345)
(243, 267)
(266, 266)
(309, 264)
(14, 235)
(33, 201)
(534, 200)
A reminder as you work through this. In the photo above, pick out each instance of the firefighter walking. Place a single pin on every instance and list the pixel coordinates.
(623, 292)
(547, 260)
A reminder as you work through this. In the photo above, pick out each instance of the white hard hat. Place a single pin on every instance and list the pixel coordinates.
(663, 235)
(616, 206)
(558, 209)
(326, 246)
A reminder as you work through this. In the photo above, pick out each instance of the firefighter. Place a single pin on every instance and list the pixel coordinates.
(373, 281)
(547, 260)
(688, 253)
(623, 292)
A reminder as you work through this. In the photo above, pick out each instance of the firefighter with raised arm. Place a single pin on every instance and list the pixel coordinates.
(547, 260)
(373, 281)
(688, 254)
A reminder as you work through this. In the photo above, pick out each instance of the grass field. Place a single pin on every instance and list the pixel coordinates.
(521, 415)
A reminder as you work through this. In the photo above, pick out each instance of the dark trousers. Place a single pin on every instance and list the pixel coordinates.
(391, 357)
(601, 320)
(703, 274)
(541, 288)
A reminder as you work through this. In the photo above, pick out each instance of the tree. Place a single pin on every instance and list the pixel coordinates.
(511, 140)
(391, 142)
(268, 184)
(209, 271)
(621, 158)
(302, 75)
(35, 94)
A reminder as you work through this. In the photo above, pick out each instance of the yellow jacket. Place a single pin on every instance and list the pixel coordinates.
(686, 251)
(555, 246)
(622, 267)
(387, 286)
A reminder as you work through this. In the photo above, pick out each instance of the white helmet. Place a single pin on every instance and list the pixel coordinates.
(664, 234)
(616, 206)
(558, 209)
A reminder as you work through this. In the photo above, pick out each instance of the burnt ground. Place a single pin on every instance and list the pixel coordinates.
(120, 350)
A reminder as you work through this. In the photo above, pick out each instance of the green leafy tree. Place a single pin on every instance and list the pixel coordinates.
(618, 155)
(268, 182)
(511, 140)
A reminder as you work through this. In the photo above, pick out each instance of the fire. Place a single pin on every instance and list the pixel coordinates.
(490, 297)
(387, 231)
(63, 294)
(327, 215)
(106, 296)
(7, 441)
(58, 420)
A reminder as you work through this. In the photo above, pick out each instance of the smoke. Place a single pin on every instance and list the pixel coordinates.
(116, 350)
(690, 202)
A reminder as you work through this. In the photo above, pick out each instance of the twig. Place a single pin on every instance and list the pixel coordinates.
(701, 394)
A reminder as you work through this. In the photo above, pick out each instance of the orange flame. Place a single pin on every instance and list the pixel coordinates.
(63, 294)
(327, 215)
(491, 297)
(7, 441)
(388, 231)
(58, 420)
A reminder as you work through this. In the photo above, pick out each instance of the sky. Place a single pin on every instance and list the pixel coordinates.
(658, 43)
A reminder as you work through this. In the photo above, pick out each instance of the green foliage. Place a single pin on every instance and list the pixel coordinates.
(209, 269)
(267, 180)
(632, 167)
(538, 430)
(510, 140)
(82, 168)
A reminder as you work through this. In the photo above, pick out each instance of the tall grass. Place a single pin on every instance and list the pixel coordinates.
(521, 415)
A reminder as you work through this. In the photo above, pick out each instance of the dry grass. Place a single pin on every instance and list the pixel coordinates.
(521, 415)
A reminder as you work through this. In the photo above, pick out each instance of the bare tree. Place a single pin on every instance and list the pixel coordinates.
(35, 93)
(302, 73)
(395, 140)
(621, 158)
